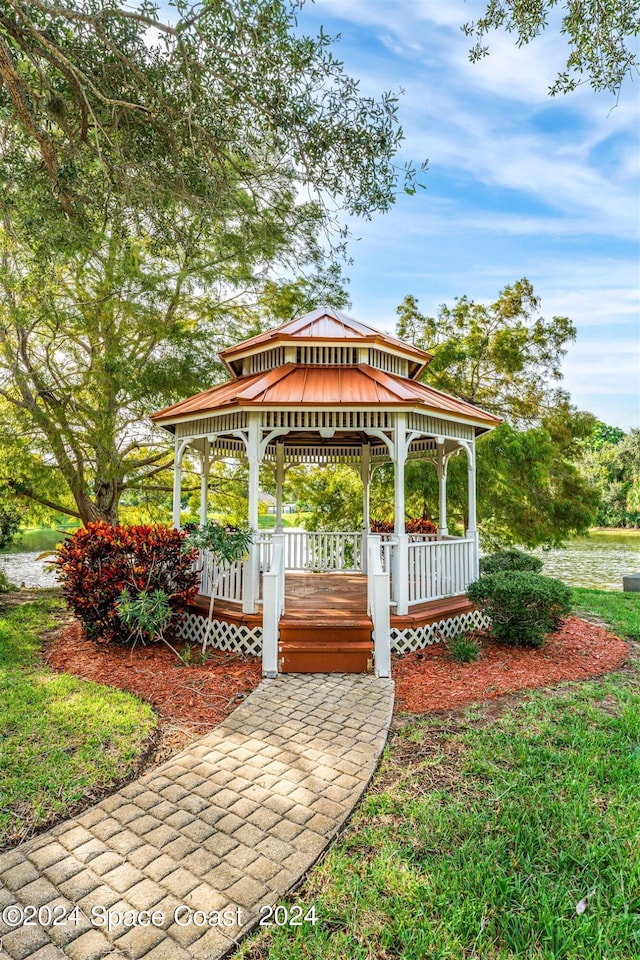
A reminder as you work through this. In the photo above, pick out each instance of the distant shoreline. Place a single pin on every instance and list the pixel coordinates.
(620, 531)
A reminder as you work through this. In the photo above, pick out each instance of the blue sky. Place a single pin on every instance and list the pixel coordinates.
(519, 185)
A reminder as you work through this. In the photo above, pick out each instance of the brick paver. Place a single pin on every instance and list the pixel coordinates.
(178, 864)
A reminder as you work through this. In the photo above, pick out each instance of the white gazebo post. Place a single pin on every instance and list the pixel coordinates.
(204, 481)
(401, 566)
(252, 568)
(279, 485)
(472, 532)
(365, 474)
(441, 468)
(177, 481)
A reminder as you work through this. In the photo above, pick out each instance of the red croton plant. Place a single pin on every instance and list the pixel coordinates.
(98, 562)
(419, 525)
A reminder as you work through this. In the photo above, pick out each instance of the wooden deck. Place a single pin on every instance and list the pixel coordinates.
(330, 598)
(324, 597)
(326, 627)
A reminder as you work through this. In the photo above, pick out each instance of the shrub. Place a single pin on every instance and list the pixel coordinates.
(523, 606)
(147, 615)
(226, 544)
(5, 587)
(462, 648)
(10, 520)
(5, 583)
(510, 559)
(96, 564)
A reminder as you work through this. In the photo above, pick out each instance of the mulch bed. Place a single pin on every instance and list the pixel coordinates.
(197, 697)
(429, 680)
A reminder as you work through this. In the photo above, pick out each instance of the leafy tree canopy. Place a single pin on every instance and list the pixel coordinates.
(98, 330)
(602, 37)
(530, 488)
(332, 495)
(603, 435)
(611, 462)
(503, 357)
(506, 358)
(214, 96)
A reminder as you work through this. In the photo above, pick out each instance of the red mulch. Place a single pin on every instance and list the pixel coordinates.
(197, 697)
(430, 680)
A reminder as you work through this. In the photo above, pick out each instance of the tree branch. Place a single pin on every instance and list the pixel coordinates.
(22, 491)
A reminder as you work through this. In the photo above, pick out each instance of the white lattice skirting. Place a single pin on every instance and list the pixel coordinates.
(241, 639)
(222, 635)
(417, 638)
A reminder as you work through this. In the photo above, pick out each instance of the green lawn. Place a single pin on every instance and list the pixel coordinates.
(482, 832)
(620, 610)
(267, 521)
(61, 739)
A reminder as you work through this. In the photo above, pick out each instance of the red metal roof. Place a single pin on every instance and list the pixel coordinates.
(316, 386)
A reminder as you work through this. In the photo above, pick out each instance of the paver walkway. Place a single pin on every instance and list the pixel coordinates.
(188, 854)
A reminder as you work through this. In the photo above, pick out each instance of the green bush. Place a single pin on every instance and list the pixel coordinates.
(523, 606)
(147, 615)
(509, 559)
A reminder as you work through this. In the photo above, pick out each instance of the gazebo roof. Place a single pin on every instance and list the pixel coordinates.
(292, 386)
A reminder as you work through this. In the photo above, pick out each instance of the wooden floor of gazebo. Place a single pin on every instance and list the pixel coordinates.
(325, 626)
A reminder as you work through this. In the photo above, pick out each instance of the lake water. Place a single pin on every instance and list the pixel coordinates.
(21, 564)
(600, 560)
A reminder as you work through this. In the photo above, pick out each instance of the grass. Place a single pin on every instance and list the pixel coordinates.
(617, 531)
(62, 740)
(621, 611)
(484, 830)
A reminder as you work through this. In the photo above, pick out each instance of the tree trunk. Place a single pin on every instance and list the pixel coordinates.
(104, 507)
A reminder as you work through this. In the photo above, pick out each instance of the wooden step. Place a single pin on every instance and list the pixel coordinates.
(326, 657)
(358, 631)
(326, 647)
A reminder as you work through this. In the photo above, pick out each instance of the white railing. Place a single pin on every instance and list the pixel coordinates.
(226, 581)
(316, 550)
(439, 569)
(272, 607)
(435, 568)
(378, 601)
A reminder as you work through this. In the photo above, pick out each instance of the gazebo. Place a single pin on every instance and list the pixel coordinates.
(325, 388)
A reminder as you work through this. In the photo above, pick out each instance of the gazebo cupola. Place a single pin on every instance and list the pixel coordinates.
(325, 388)
(325, 338)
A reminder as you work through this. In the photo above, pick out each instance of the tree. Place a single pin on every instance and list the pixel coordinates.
(611, 462)
(506, 358)
(9, 524)
(602, 37)
(97, 331)
(228, 94)
(153, 212)
(530, 489)
(332, 495)
(503, 356)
